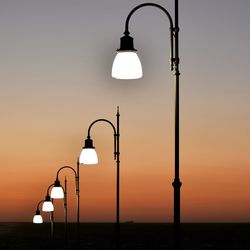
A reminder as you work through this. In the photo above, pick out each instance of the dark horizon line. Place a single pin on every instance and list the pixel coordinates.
(134, 222)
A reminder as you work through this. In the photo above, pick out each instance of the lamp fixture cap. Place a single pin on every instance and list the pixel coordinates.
(126, 44)
(57, 183)
(47, 198)
(38, 212)
(88, 143)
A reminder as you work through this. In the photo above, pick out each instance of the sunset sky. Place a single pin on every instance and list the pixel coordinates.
(55, 76)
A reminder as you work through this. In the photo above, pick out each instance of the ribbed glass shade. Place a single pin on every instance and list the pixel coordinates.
(37, 219)
(48, 206)
(127, 65)
(88, 156)
(57, 193)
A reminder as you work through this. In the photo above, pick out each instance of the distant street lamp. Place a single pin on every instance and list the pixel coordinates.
(88, 156)
(49, 207)
(38, 219)
(57, 192)
(128, 66)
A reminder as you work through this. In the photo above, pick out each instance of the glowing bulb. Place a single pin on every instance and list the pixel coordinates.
(48, 206)
(37, 219)
(88, 156)
(57, 192)
(126, 65)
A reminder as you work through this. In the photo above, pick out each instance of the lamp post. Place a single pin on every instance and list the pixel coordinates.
(49, 207)
(57, 192)
(88, 156)
(127, 66)
(38, 219)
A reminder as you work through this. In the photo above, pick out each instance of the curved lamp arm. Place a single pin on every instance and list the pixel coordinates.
(52, 185)
(39, 203)
(126, 33)
(112, 125)
(116, 135)
(101, 120)
(143, 5)
(47, 197)
(59, 170)
(75, 173)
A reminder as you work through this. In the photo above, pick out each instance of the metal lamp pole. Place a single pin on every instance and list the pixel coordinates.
(116, 157)
(128, 47)
(51, 213)
(89, 145)
(51, 219)
(77, 177)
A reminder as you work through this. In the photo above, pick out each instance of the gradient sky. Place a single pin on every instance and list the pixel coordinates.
(56, 58)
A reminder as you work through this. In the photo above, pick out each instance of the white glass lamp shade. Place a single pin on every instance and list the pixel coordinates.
(57, 192)
(126, 65)
(88, 156)
(37, 219)
(48, 206)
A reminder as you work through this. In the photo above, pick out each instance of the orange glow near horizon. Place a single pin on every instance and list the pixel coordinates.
(146, 191)
(212, 187)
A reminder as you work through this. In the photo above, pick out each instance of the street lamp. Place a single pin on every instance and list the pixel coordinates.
(126, 58)
(38, 219)
(88, 156)
(49, 207)
(57, 192)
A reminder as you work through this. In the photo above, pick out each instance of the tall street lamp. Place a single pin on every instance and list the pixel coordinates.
(88, 156)
(127, 65)
(57, 192)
